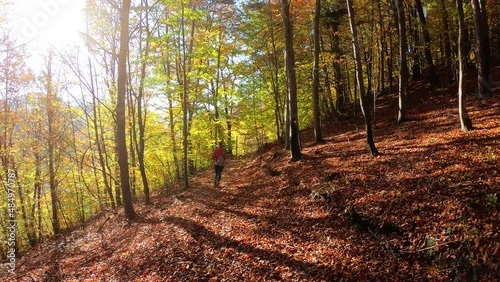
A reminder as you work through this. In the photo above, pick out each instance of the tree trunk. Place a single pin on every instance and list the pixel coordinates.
(141, 112)
(382, 50)
(416, 70)
(101, 153)
(287, 129)
(167, 70)
(329, 101)
(403, 73)
(28, 222)
(132, 126)
(37, 187)
(483, 48)
(447, 44)
(172, 137)
(215, 85)
(278, 97)
(337, 70)
(132, 144)
(51, 146)
(390, 60)
(431, 69)
(185, 103)
(318, 138)
(229, 123)
(141, 146)
(292, 81)
(465, 121)
(360, 81)
(121, 140)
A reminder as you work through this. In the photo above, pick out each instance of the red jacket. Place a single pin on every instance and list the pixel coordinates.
(219, 152)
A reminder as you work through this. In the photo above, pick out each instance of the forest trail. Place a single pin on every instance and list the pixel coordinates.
(425, 209)
(247, 230)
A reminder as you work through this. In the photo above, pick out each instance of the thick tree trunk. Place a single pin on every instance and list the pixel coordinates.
(121, 140)
(483, 48)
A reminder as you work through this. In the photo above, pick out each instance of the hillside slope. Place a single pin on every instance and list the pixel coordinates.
(425, 209)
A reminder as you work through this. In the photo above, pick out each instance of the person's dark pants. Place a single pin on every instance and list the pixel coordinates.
(218, 174)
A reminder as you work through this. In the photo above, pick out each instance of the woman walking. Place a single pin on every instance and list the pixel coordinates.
(219, 157)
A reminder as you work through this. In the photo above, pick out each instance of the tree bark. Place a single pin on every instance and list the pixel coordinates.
(337, 70)
(100, 147)
(141, 112)
(360, 81)
(414, 45)
(382, 50)
(431, 69)
(167, 70)
(50, 104)
(465, 121)
(275, 72)
(292, 81)
(185, 101)
(447, 44)
(37, 192)
(229, 123)
(403, 73)
(318, 138)
(483, 45)
(121, 140)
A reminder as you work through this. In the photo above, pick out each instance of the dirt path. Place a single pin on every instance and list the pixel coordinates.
(255, 228)
(240, 232)
(248, 230)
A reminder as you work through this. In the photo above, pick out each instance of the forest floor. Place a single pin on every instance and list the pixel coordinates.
(426, 209)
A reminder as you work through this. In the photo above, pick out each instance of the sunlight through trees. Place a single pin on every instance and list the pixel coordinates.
(133, 100)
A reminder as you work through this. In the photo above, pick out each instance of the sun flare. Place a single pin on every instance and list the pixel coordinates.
(49, 22)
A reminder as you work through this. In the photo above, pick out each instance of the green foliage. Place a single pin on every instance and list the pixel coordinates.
(490, 155)
(491, 199)
(430, 246)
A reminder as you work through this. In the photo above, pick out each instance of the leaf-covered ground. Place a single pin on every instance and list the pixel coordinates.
(426, 209)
